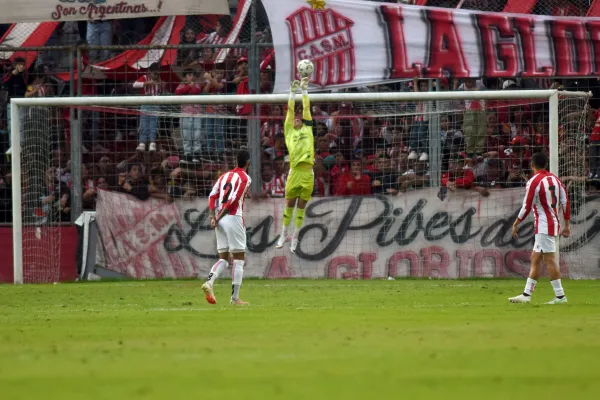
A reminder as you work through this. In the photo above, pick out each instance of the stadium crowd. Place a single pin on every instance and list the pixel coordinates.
(360, 149)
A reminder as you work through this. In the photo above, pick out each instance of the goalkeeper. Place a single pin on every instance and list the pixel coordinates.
(300, 183)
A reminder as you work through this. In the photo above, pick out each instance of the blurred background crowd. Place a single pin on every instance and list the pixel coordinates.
(171, 152)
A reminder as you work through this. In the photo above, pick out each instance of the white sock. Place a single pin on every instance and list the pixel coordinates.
(238, 274)
(529, 286)
(284, 232)
(296, 232)
(558, 289)
(216, 270)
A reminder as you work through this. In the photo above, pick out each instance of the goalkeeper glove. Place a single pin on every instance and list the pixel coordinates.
(304, 83)
(295, 86)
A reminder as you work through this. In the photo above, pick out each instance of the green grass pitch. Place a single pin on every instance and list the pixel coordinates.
(299, 339)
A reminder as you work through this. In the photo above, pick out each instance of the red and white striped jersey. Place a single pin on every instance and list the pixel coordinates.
(544, 194)
(275, 188)
(148, 90)
(214, 38)
(230, 192)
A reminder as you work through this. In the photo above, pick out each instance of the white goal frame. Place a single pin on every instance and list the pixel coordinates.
(552, 96)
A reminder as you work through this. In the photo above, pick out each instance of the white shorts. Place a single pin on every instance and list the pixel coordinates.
(544, 243)
(231, 234)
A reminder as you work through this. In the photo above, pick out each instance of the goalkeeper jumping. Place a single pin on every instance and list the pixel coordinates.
(300, 183)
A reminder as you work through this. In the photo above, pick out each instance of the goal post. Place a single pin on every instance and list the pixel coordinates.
(16, 193)
(22, 108)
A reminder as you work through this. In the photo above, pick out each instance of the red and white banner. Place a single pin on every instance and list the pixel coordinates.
(359, 43)
(75, 10)
(350, 238)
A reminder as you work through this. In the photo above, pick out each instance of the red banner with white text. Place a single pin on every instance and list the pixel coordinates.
(355, 43)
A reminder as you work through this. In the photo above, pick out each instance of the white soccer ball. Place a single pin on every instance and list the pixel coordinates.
(305, 68)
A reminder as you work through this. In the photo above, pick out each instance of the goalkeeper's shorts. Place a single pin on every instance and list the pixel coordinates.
(300, 183)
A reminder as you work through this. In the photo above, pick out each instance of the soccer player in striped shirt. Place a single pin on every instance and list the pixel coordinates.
(301, 180)
(545, 193)
(226, 208)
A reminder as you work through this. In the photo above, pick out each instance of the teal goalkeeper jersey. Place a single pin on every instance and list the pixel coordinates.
(300, 142)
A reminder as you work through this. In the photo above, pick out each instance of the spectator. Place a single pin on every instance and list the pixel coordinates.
(215, 127)
(188, 57)
(39, 86)
(221, 34)
(489, 173)
(497, 136)
(266, 82)
(16, 86)
(322, 182)
(279, 166)
(518, 163)
(355, 182)
(102, 183)
(242, 110)
(419, 134)
(323, 147)
(415, 177)
(99, 33)
(272, 186)
(448, 105)
(540, 142)
(133, 183)
(458, 176)
(474, 120)
(191, 123)
(385, 180)
(397, 142)
(89, 87)
(56, 203)
(89, 189)
(279, 149)
(150, 85)
(273, 126)
(371, 144)
(208, 55)
(15, 82)
(346, 127)
(595, 149)
(158, 186)
(562, 8)
(451, 139)
(340, 168)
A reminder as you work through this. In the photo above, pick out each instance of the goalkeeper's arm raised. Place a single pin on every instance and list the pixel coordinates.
(306, 115)
(289, 118)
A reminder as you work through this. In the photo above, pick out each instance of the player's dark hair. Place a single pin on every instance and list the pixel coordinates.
(243, 156)
(539, 160)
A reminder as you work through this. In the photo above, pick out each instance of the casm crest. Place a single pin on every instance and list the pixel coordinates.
(325, 38)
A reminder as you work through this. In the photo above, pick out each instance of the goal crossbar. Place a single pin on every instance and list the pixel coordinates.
(283, 98)
(552, 96)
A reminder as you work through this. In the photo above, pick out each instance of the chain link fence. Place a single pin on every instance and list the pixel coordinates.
(178, 51)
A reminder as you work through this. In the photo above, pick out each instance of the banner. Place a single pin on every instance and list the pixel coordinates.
(414, 234)
(356, 43)
(75, 10)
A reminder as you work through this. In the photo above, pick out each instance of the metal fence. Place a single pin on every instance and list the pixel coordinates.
(99, 144)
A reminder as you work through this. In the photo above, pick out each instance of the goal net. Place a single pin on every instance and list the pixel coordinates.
(405, 184)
